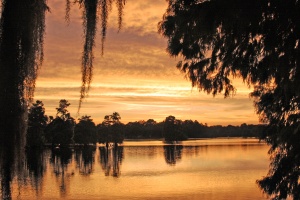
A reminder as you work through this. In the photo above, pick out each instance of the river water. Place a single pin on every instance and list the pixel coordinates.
(194, 169)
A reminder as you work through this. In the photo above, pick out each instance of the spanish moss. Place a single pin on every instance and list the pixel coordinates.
(91, 10)
(105, 6)
(90, 26)
(22, 28)
(26, 42)
(120, 6)
(68, 9)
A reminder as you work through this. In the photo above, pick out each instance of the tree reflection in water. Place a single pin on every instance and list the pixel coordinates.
(12, 154)
(11, 165)
(85, 158)
(36, 166)
(111, 159)
(7, 171)
(172, 153)
(60, 158)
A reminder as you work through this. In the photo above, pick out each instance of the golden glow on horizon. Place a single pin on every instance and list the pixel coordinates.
(135, 77)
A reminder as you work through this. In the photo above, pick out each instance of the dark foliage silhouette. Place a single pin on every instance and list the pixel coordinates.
(172, 129)
(111, 129)
(37, 122)
(85, 131)
(22, 28)
(60, 130)
(257, 41)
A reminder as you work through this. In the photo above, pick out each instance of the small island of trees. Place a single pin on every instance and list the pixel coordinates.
(64, 131)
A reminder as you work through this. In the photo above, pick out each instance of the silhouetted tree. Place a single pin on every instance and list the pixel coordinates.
(172, 129)
(61, 129)
(149, 127)
(85, 131)
(258, 41)
(112, 119)
(134, 130)
(22, 28)
(111, 129)
(193, 129)
(37, 122)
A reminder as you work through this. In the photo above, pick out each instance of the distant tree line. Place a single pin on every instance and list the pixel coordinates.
(63, 130)
(172, 129)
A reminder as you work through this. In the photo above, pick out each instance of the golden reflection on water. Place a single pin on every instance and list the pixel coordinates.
(197, 169)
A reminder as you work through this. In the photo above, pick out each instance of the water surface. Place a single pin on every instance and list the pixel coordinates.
(194, 169)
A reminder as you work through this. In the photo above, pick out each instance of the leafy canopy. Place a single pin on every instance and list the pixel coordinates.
(258, 41)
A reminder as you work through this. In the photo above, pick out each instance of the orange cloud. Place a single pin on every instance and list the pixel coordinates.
(135, 77)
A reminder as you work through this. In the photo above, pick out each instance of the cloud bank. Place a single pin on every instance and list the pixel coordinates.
(135, 77)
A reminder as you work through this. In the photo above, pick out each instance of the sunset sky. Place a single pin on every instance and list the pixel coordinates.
(135, 77)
